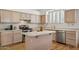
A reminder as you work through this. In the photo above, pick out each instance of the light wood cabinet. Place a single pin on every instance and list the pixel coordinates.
(70, 16)
(17, 36)
(9, 16)
(25, 16)
(10, 37)
(71, 38)
(33, 19)
(42, 42)
(15, 17)
(42, 19)
(6, 38)
(5, 15)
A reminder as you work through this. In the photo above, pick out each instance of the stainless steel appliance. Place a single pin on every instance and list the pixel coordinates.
(9, 27)
(60, 36)
(26, 29)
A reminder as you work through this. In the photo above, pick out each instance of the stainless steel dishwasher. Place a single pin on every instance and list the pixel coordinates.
(60, 36)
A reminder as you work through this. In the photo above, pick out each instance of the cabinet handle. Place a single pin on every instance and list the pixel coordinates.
(37, 36)
(49, 33)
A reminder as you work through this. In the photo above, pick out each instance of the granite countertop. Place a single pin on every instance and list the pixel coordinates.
(32, 34)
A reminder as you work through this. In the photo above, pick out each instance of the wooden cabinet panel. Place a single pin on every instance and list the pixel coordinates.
(70, 16)
(6, 38)
(43, 42)
(71, 35)
(15, 17)
(17, 36)
(71, 42)
(33, 19)
(42, 19)
(25, 16)
(6, 16)
(22, 16)
(71, 38)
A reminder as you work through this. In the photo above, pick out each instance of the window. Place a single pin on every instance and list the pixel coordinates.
(55, 17)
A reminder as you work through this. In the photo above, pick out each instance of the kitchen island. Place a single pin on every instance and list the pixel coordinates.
(38, 40)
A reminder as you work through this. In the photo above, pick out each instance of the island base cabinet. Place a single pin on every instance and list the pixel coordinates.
(43, 42)
(17, 37)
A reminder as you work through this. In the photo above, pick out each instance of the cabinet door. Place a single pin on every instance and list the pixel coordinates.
(70, 16)
(23, 16)
(6, 38)
(39, 43)
(6, 16)
(42, 19)
(33, 19)
(71, 38)
(17, 37)
(15, 17)
(37, 19)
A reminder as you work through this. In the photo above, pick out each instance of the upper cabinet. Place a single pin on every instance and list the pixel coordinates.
(5, 16)
(42, 19)
(70, 16)
(15, 17)
(35, 19)
(25, 16)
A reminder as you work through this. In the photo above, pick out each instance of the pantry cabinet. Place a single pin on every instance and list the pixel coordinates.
(6, 38)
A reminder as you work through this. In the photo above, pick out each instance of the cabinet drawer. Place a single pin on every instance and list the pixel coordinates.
(71, 42)
(70, 32)
(71, 36)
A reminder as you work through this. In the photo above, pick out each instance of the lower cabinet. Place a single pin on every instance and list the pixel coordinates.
(6, 38)
(42, 42)
(10, 37)
(71, 38)
(17, 37)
